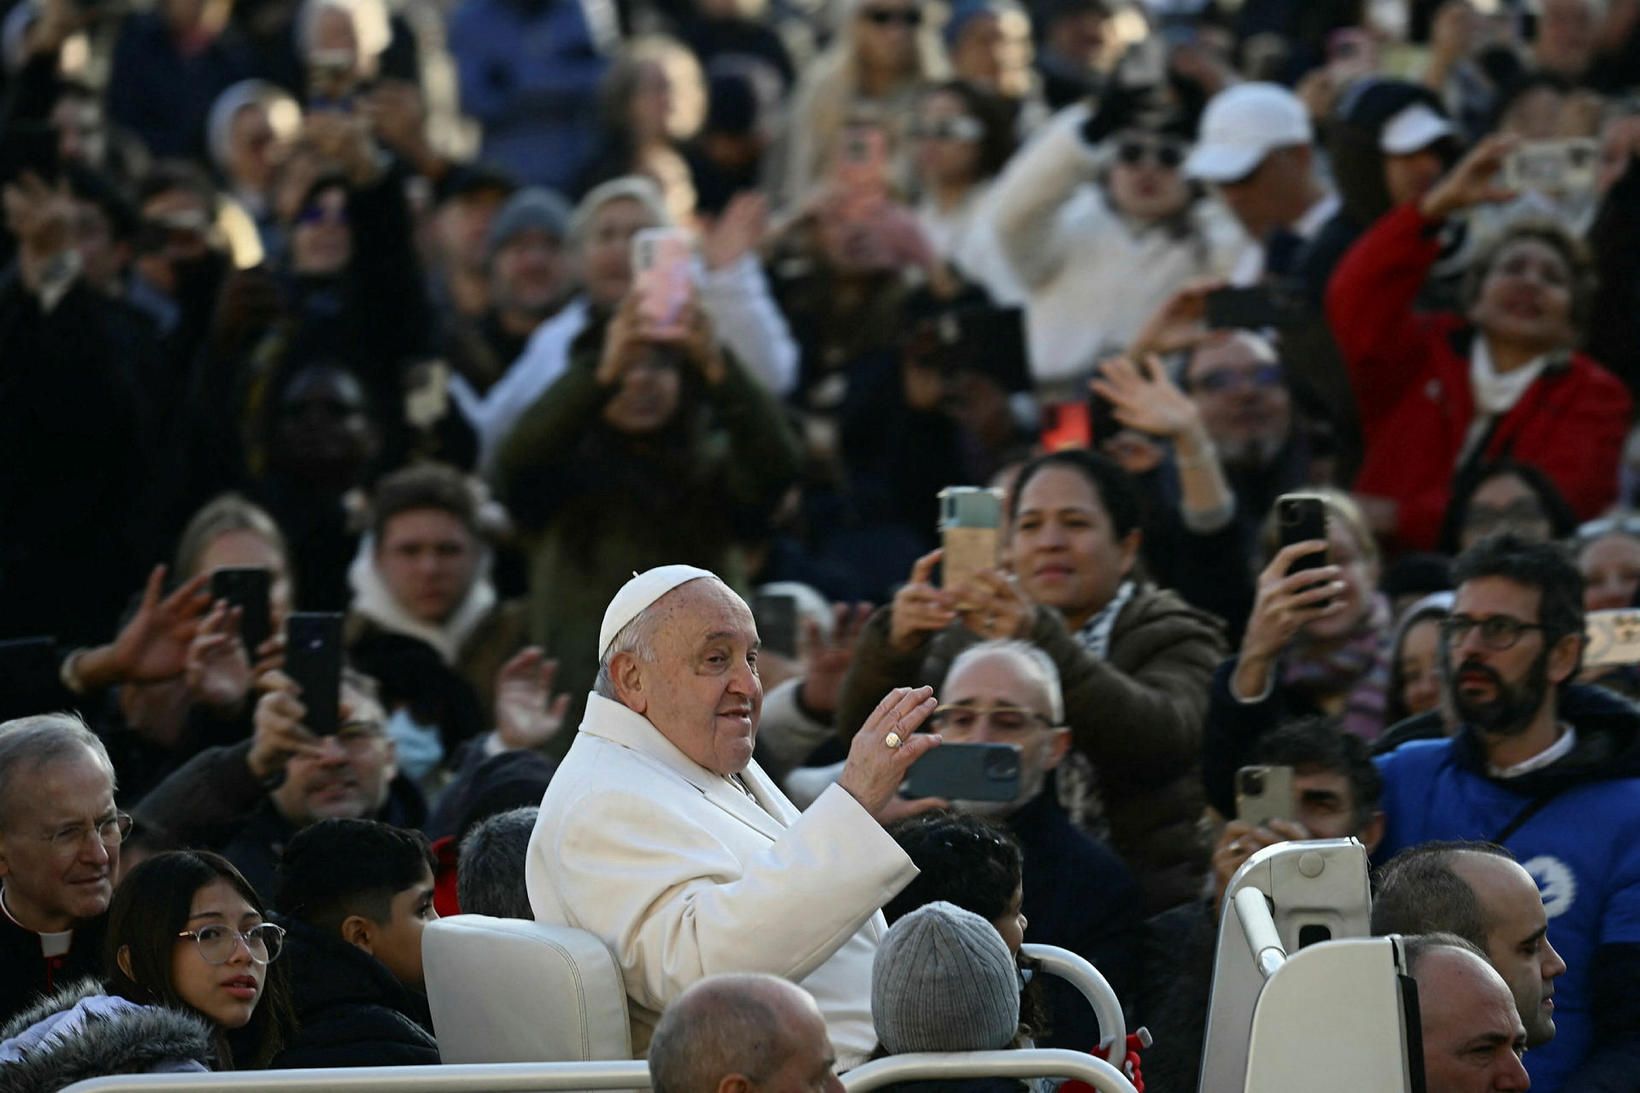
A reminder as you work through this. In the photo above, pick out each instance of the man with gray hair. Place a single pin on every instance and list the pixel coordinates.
(660, 834)
(1075, 893)
(731, 1033)
(490, 866)
(60, 838)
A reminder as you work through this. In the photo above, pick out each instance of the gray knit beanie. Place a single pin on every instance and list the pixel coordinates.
(943, 980)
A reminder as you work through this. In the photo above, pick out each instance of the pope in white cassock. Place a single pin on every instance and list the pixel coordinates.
(659, 834)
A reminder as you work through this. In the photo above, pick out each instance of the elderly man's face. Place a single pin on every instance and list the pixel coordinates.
(1237, 387)
(1473, 1038)
(702, 689)
(999, 698)
(56, 857)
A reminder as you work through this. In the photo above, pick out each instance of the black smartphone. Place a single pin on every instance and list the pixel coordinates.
(247, 588)
(966, 772)
(313, 658)
(30, 148)
(1242, 309)
(1301, 517)
(776, 618)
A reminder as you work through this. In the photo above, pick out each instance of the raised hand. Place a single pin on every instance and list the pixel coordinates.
(826, 661)
(1473, 181)
(738, 232)
(919, 608)
(527, 715)
(217, 669)
(886, 746)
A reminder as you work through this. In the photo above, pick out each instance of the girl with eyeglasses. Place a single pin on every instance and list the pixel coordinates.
(192, 985)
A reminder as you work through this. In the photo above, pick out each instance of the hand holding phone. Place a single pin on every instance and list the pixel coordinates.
(1300, 518)
(1552, 166)
(970, 525)
(1265, 793)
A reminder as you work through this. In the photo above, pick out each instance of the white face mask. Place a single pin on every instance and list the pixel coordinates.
(420, 747)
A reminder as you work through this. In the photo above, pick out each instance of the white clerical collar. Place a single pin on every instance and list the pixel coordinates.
(51, 944)
(1551, 754)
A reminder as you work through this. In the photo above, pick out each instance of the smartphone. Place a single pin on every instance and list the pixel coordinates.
(313, 658)
(966, 772)
(971, 531)
(663, 278)
(1264, 794)
(1611, 637)
(862, 160)
(248, 589)
(1242, 309)
(1301, 517)
(30, 148)
(776, 619)
(984, 339)
(1552, 166)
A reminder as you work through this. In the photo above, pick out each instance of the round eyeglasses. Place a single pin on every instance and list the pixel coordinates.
(110, 831)
(217, 944)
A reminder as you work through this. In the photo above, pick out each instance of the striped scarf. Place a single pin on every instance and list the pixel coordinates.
(1357, 669)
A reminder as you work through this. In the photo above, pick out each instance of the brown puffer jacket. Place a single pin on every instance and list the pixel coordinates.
(1136, 716)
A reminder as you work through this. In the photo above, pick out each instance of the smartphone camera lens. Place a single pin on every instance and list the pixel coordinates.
(1002, 766)
(1252, 783)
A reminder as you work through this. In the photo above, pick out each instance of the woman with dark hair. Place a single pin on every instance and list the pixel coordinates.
(1440, 393)
(962, 137)
(1134, 660)
(652, 101)
(192, 985)
(1505, 496)
(615, 468)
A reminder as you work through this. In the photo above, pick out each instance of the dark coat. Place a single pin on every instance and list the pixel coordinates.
(137, 1040)
(1136, 715)
(26, 974)
(1079, 896)
(350, 1011)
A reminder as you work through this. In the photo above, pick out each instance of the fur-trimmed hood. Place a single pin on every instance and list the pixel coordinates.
(80, 1032)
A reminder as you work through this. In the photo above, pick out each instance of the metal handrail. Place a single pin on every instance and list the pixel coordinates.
(1258, 927)
(1094, 987)
(1030, 1063)
(458, 1078)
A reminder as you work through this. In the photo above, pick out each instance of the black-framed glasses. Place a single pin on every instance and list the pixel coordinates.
(1498, 632)
(962, 719)
(111, 831)
(1161, 152)
(883, 17)
(218, 943)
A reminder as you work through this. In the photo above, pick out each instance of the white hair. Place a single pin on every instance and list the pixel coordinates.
(45, 738)
(1031, 657)
(371, 28)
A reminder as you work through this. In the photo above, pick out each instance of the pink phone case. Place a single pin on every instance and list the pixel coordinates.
(662, 279)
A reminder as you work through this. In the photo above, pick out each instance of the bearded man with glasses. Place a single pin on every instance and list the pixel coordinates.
(60, 838)
(1549, 769)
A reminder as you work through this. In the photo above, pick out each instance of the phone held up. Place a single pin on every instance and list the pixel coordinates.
(1302, 517)
(663, 278)
(966, 772)
(248, 590)
(970, 533)
(313, 658)
(1264, 794)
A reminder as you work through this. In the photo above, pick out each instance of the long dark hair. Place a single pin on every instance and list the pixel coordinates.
(150, 908)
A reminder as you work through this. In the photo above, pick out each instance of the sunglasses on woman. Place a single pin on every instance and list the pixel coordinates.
(1164, 154)
(883, 17)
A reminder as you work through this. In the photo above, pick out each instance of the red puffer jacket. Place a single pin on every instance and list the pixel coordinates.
(1410, 374)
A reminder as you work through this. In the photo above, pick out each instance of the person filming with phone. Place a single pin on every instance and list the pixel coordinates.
(1441, 393)
(1134, 660)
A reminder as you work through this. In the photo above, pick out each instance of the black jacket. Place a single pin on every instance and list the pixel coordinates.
(350, 1011)
(1079, 896)
(26, 974)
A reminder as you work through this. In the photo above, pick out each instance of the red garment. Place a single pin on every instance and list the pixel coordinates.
(444, 877)
(1410, 373)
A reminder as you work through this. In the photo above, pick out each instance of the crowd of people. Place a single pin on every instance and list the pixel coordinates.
(643, 599)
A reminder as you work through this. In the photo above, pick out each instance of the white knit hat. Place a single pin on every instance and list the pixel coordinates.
(638, 593)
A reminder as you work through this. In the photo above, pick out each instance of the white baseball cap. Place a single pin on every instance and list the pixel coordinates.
(1416, 127)
(641, 591)
(1242, 125)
